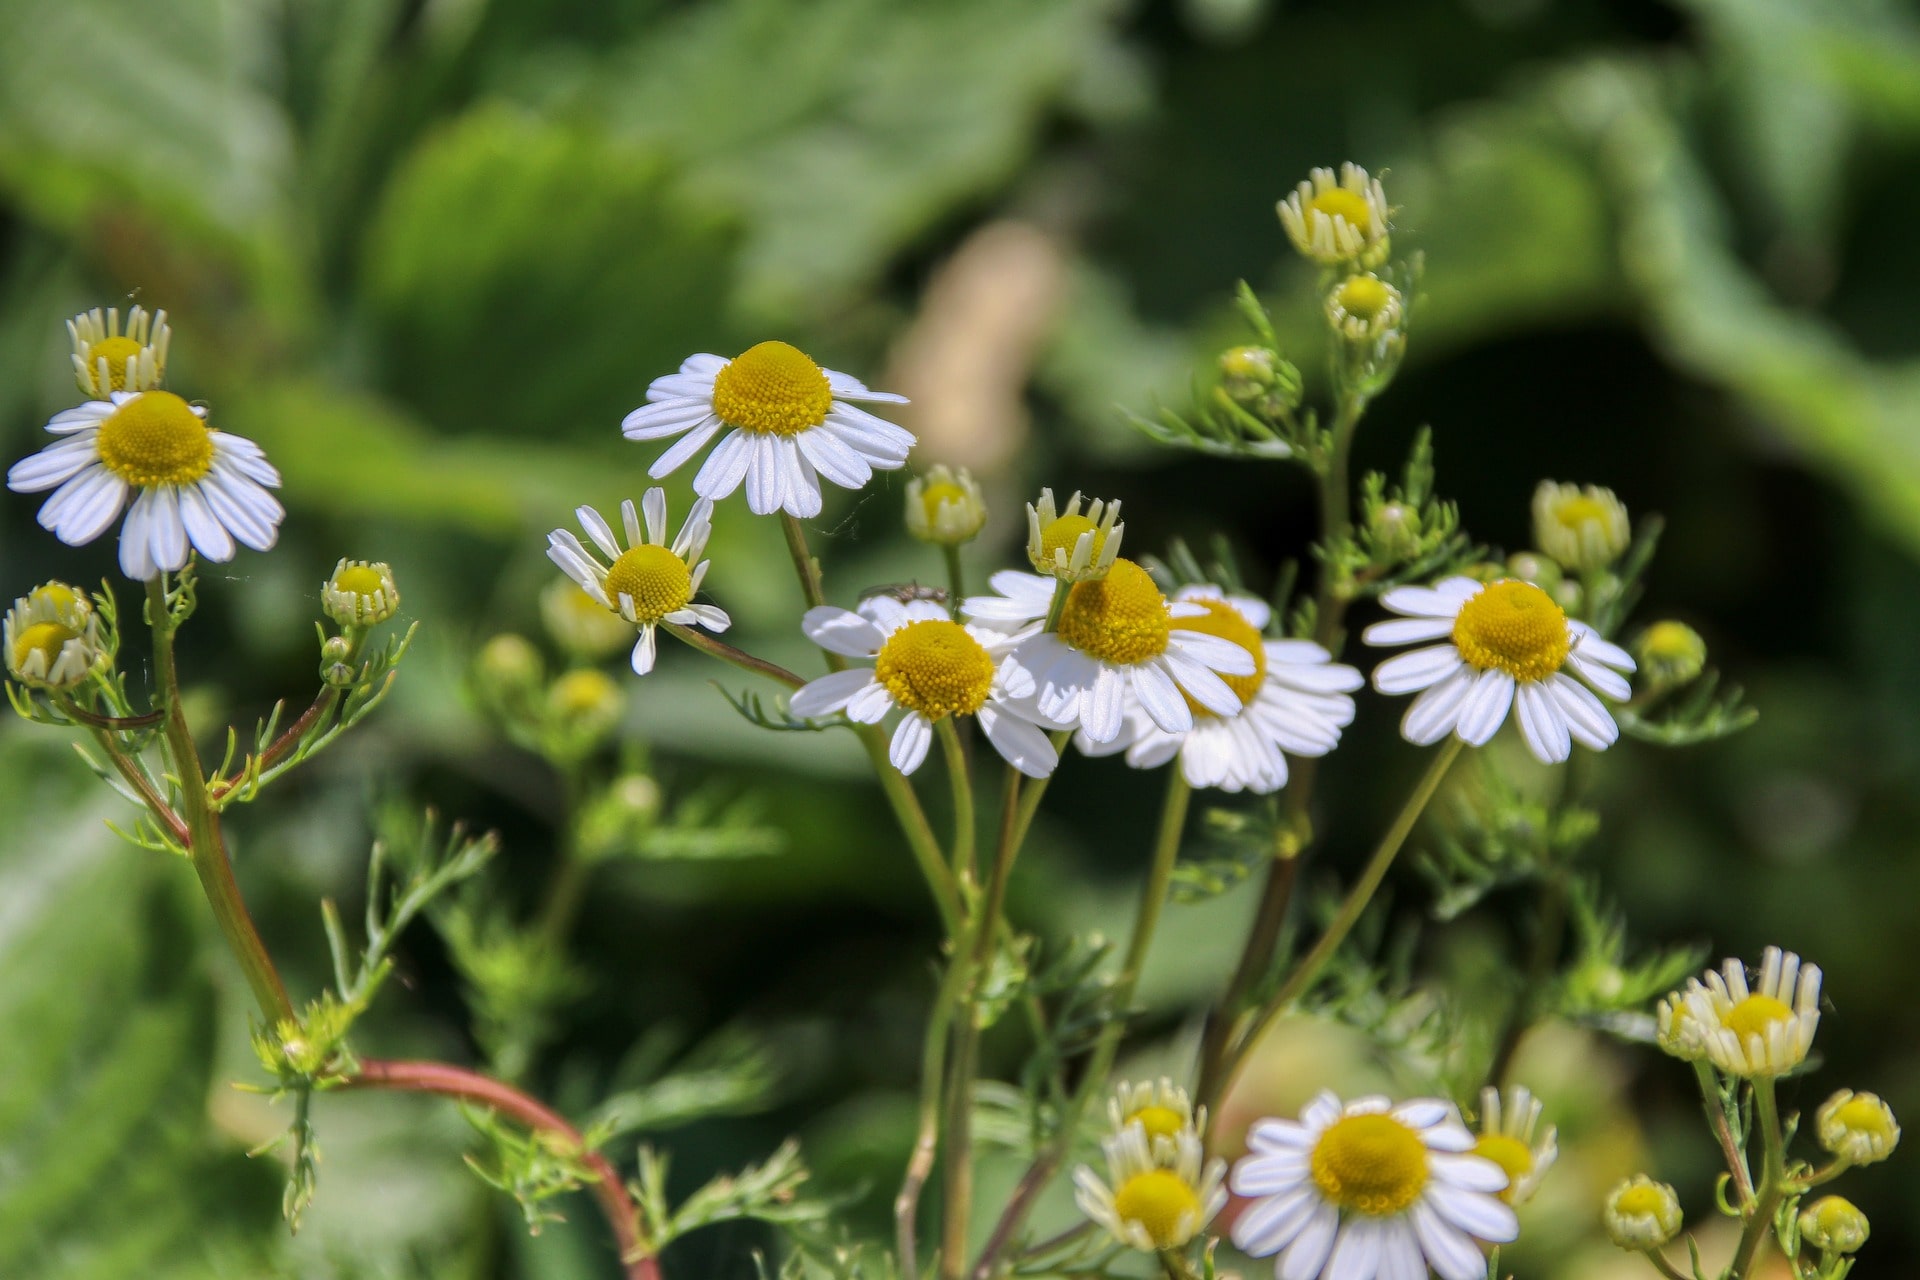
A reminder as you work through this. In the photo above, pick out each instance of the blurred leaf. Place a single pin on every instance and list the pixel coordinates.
(106, 1022)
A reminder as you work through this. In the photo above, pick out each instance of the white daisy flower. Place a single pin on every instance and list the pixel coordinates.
(52, 637)
(1294, 701)
(650, 582)
(107, 358)
(1505, 643)
(360, 593)
(1507, 1128)
(189, 482)
(1762, 1030)
(1370, 1189)
(928, 666)
(1070, 546)
(1148, 1203)
(1161, 1108)
(1115, 634)
(1336, 220)
(787, 421)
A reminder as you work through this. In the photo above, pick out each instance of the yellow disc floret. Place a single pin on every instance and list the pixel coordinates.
(1370, 1164)
(772, 389)
(1162, 1202)
(653, 578)
(1514, 627)
(1227, 622)
(45, 638)
(1363, 296)
(1121, 618)
(934, 667)
(156, 439)
(1753, 1015)
(938, 492)
(1511, 1154)
(116, 352)
(1158, 1121)
(1064, 534)
(359, 579)
(1646, 1199)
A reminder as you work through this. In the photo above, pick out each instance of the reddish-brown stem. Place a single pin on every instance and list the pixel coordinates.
(456, 1082)
(284, 743)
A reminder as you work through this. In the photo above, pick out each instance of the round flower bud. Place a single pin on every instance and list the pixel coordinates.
(334, 654)
(582, 625)
(1583, 529)
(619, 816)
(945, 507)
(1670, 653)
(1678, 1031)
(1857, 1127)
(1260, 379)
(1395, 530)
(360, 593)
(1340, 219)
(1642, 1214)
(508, 666)
(585, 705)
(1531, 566)
(52, 637)
(1068, 545)
(1364, 308)
(1833, 1224)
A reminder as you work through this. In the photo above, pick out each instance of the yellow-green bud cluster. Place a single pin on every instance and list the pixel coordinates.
(1641, 1214)
(945, 507)
(360, 593)
(581, 625)
(508, 667)
(52, 637)
(1261, 380)
(584, 705)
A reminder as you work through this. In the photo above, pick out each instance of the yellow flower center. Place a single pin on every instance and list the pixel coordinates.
(1369, 1164)
(1159, 1200)
(1363, 297)
(772, 389)
(1121, 618)
(1064, 534)
(1579, 510)
(1670, 641)
(657, 581)
(934, 667)
(579, 692)
(156, 439)
(358, 580)
(1338, 202)
(1225, 621)
(1865, 1115)
(1753, 1015)
(117, 351)
(1641, 1200)
(1158, 1121)
(1514, 627)
(941, 491)
(45, 638)
(59, 595)
(1511, 1154)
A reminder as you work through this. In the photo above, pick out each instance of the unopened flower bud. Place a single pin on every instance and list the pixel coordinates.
(1567, 594)
(582, 625)
(1531, 566)
(945, 507)
(1670, 653)
(1678, 1031)
(360, 593)
(619, 816)
(1363, 308)
(1584, 529)
(1260, 379)
(585, 705)
(1857, 1127)
(1395, 530)
(1833, 1224)
(52, 637)
(109, 358)
(508, 666)
(1339, 219)
(1068, 545)
(1642, 1214)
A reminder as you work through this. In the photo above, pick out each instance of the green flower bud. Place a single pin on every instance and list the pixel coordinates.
(1857, 1127)
(1260, 379)
(1670, 653)
(581, 625)
(945, 507)
(1395, 530)
(360, 593)
(1531, 566)
(1641, 1214)
(508, 667)
(585, 706)
(1833, 1223)
(1584, 529)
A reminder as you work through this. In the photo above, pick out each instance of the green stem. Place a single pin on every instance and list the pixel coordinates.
(727, 653)
(1661, 1265)
(1550, 930)
(962, 781)
(805, 567)
(1350, 909)
(956, 581)
(1773, 1180)
(1722, 1126)
(205, 845)
(1060, 592)
(933, 1067)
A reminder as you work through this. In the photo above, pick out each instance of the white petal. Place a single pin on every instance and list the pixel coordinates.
(1357, 1256)
(136, 546)
(829, 693)
(1425, 602)
(1270, 1174)
(1606, 680)
(1000, 609)
(667, 416)
(53, 465)
(1268, 1226)
(1407, 630)
(249, 512)
(870, 705)
(1279, 1135)
(1307, 1254)
(1400, 1252)
(1587, 717)
(653, 506)
(1403, 673)
(802, 483)
(209, 536)
(1161, 699)
(1019, 743)
(842, 631)
(168, 531)
(1221, 654)
(724, 468)
(910, 742)
(1101, 706)
(1435, 712)
(599, 530)
(80, 510)
(1422, 1113)
(1202, 685)
(1468, 1172)
(711, 617)
(845, 384)
(685, 448)
(643, 649)
(834, 459)
(1589, 644)
(1454, 1255)
(1541, 724)
(1480, 1215)
(1486, 708)
(1019, 585)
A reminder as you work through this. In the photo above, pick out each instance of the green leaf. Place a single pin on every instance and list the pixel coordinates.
(107, 1165)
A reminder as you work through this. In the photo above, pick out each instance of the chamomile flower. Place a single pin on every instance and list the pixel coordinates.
(1370, 1189)
(1857, 1127)
(1149, 1203)
(1339, 220)
(1295, 701)
(108, 358)
(1507, 1127)
(928, 666)
(360, 593)
(1505, 644)
(1070, 546)
(1763, 1029)
(1641, 1214)
(188, 482)
(650, 582)
(52, 637)
(945, 506)
(1582, 528)
(1115, 637)
(1364, 308)
(1161, 1108)
(787, 423)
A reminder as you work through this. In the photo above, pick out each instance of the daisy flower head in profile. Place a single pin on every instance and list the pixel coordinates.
(1370, 1189)
(52, 637)
(1115, 639)
(929, 667)
(1511, 1137)
(187, 483)
(1760, 1028)
(1156, 1195)
(782, 422)
(1295, 700)
(109, 358)
(1339, 219)
(1161, 1108)
(649, 581)
(1504, 645)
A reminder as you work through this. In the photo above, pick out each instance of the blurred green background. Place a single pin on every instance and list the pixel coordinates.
(428, 253)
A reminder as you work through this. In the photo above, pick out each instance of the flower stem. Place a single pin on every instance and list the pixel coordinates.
(1350, 909)
(805, 566)
(727, 653)
(1773, 1180)
(1661, 1265)
(205, 844)
(1723, 1130)
(962, 780)
(469, 1086)
(956, 589)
